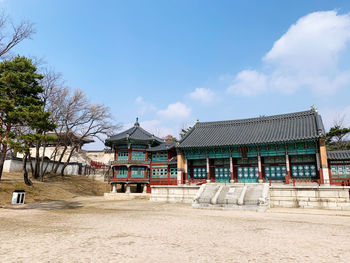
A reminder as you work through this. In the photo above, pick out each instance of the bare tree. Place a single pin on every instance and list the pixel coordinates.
(53, 87)
(11, 35)
(78, 121)
(86, 121)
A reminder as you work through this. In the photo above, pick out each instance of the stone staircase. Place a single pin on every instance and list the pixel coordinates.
(234, 196)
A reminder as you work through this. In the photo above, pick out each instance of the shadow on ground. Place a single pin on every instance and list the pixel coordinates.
(51, 205)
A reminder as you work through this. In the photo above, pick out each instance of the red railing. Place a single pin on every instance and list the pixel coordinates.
(341, 181)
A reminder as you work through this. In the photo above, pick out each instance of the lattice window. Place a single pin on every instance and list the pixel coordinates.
(173, 172)
(123, 156)
(138, 155)
(340, 171)
(199, 173)
(122, 172)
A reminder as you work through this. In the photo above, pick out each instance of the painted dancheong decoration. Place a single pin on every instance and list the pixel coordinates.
(279, 149)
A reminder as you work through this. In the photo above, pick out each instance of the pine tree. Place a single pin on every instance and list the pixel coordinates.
(20, 106)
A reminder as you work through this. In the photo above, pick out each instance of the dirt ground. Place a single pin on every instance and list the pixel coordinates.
(91, 229)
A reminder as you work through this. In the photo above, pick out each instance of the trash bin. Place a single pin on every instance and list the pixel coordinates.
(18, 197)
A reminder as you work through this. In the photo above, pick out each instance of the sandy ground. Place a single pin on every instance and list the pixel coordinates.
(91, 229)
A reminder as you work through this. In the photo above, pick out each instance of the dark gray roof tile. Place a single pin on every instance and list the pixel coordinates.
(278, 128)
(162, 147)
(134, 133)
(339, 155)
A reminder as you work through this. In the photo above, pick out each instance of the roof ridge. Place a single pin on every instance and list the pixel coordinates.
(258, 119)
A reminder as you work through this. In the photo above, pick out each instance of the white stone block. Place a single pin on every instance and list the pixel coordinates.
(306, 193)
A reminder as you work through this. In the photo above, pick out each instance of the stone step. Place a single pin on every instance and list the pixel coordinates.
(249, 196)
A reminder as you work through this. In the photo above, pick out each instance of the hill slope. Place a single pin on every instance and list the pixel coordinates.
(54, 188)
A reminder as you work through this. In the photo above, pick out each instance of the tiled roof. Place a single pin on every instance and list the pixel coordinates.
(278, 128)
(134, 133)
(339, 155)
(162, 147)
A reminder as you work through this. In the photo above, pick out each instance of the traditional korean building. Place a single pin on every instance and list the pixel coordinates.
(286, 148)
(141, 159)
(265, 149)
(339, 167)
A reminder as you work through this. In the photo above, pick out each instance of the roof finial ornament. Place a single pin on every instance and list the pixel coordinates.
(313, 107)
(137, 124)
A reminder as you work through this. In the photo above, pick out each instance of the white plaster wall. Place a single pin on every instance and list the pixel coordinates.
(16, 166)
(80, 156)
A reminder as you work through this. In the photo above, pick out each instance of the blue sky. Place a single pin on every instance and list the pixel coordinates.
(173, 62)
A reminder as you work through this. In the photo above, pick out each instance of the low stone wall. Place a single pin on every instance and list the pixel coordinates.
(319, 197)
(125, 196)
(173, 193)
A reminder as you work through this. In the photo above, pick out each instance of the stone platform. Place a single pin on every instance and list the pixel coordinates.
(126, 196)
(279, 196)
(319, 197)
(174, 193)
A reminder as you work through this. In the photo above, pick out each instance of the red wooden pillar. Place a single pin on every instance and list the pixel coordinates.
(186, 171)
(130, 152)
(208, 171)
(146, 156)
(288, 169)
(129, 172)
(168, 174)
(116, 154)
(319, 168)
(232, 164)
(260, 169)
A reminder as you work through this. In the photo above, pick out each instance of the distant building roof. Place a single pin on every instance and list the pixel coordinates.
(278, 128)
(70, 137)
(162, 147)
(134, 133)
(172, 161)
(339, 155)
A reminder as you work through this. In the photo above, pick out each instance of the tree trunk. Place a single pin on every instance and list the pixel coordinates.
(53, 157)
(2, 159)
(60, 160)
(27, 181)
(37, 161)
(31, 164)
(42, 165)
(68, 160)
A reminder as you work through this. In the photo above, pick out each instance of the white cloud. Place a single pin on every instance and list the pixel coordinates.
(144, 106)
(248, 83)
(157, 128)
(203, 95)
(306, 56)
(176, 110)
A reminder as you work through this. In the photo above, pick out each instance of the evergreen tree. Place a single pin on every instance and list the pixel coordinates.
(336, 138)
(20, 106)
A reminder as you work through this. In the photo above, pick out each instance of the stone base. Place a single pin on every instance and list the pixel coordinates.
(257, 208)
(317, 197)
(125, 196)
(174, 193)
